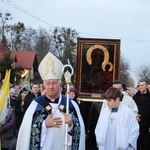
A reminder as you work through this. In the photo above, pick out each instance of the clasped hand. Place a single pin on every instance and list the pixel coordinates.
(51, 121)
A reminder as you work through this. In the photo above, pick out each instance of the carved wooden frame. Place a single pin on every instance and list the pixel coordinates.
(93, 49)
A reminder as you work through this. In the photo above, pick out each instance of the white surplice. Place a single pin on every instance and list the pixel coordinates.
(121, 128)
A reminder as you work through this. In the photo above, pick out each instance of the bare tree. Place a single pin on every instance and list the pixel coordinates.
(42, 43)
(17, 34)
(130, 82)
(22, 38)
(29, 41)
(124, 70)
(4, 28)
(143, 72)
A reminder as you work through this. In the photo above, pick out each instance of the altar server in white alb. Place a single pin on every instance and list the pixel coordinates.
(126, 99)
(117, 127)
(43, 126)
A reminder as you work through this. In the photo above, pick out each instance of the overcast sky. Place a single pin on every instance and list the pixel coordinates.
(127, 20)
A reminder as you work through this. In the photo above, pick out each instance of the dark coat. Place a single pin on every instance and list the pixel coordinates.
(8, 129)
(143, 103)
(13, 101)
(19, 111)
(93, 118)
(28, 100)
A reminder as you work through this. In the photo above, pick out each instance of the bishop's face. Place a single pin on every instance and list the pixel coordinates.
(52, 88)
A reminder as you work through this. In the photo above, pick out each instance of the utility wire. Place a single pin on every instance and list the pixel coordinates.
(25, 12)
(31, 15)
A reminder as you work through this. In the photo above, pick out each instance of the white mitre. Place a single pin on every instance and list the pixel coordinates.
(50, 67)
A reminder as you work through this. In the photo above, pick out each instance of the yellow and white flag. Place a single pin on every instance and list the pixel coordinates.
(4, 94)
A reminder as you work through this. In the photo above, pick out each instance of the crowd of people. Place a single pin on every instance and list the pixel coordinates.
(37, 119)
(20, 98)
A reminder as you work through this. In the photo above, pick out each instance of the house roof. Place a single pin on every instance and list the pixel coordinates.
(1, 51)
(24, 59)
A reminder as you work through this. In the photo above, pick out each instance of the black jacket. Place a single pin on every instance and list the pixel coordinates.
(143, 104)
(28, 100)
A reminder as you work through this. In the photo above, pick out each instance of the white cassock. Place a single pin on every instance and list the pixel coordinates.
(117, 130)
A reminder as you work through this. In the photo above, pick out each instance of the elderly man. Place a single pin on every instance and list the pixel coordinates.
(43, 126)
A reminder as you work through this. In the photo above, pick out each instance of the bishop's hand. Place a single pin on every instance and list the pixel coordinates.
(68, 119)
(51, 121)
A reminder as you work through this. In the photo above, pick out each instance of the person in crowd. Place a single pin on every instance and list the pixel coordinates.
(11, 85)
(2, 82)
(33, 94)
(148, 87)
(7, 131)
(25, 83)
(117, 127)
(126, 99)
(45, 120)
(30, 81)
(19, 107)
(73, 94)
(93, 117)
(142, 99)
(17, 89)
(137, 87)
(12, 97)
(124, 89)
(27, 86)
(132, 92)
(42, 89)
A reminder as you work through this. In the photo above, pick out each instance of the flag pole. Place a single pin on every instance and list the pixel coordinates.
(4, 92)
(67, 76)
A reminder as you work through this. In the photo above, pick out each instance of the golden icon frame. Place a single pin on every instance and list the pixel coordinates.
(105, 53)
